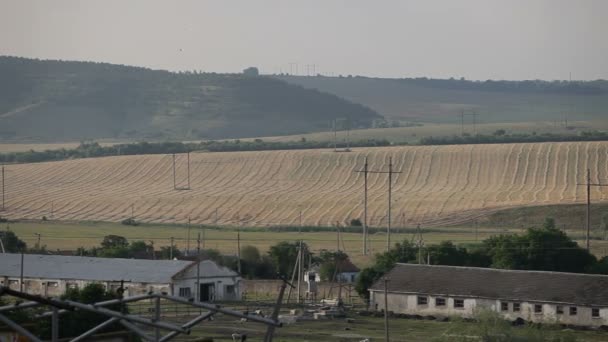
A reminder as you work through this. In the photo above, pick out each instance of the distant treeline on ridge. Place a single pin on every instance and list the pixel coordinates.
(94, 149)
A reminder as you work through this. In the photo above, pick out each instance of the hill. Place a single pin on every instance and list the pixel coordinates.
(67, 101)
(442, 101)
(439, 185)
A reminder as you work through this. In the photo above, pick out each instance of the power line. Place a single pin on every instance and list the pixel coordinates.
(588, 184)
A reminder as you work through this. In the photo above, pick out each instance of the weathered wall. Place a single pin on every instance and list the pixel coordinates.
(408, 304)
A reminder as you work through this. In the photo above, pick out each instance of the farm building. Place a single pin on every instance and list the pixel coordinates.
(51, 275)
(536, 296)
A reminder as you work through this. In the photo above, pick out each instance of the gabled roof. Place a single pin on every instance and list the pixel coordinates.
(89, 268)
(346, 266)
(207, 269)
(557, 287)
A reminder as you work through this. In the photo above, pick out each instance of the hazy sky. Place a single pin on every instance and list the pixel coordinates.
(476, 39)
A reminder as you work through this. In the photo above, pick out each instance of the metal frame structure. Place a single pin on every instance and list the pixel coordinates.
(128, 321)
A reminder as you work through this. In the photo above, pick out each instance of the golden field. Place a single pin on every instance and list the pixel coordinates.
(438, 186)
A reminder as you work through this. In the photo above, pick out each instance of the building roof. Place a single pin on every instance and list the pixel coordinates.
(89, 268)
(207, 269)
(346, 266)
(540, 286)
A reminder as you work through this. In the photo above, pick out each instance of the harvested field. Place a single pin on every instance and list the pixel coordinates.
(438, 186)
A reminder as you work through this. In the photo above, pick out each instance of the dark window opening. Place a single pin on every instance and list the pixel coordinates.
(439, 301)
(538, 308)
(459, 303)
(422, 300)
(516, 307)
(559, 310)
(504, 306)
(595, 312)
(573, 311)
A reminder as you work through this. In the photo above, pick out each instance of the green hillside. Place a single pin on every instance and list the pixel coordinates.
(66, 101)
(442, 101)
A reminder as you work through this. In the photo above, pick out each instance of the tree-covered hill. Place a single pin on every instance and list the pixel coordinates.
(61, 100)
(443, 100)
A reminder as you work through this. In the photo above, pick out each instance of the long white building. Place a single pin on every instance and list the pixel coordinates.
(51, 275)
(535, 296)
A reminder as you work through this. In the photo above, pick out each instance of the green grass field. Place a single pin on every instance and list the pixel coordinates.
(70, 236)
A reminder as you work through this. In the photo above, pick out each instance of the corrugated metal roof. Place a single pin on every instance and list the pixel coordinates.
(557, 287)
(89, 268)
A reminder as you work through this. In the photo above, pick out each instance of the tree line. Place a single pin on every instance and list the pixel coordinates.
(540, 249)
(94, 149)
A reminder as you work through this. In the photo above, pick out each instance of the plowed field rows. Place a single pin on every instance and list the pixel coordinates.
(439, 185)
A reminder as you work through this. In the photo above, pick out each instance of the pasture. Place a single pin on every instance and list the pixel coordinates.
(72, 235)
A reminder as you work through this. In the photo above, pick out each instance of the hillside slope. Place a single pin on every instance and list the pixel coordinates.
(439, 185)
(66, 101)
(442, 101)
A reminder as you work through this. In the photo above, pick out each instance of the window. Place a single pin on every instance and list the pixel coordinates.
(184, 292)
(422, 300)
(538, 308)
(459, 303)
(516, 307)
(559, 310)
(573, 311)
(52, 284)
(230, 289)
(504, 306)
(439, 301)
(595, 312)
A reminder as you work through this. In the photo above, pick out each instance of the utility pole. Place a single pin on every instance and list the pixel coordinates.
(238, 249)
(188, 238)
(198, 267)
(215, 217)
(38, 241)
(174, 181)
(335, 136)
(390, 188)
(588, 185)
(386, 334)
(171, 250)
(188, 154)
(299, 266)
(3, 197)
(300, 219)
(365, 208)
(203, 231)
(390, 172)
(461, 122)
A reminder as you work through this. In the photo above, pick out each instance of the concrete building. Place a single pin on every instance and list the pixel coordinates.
(347, 271)
(535, 296)
(52, 275)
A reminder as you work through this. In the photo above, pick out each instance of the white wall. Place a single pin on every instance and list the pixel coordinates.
(407, 304)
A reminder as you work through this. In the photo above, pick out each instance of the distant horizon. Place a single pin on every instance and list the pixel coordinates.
(439, 39)
(262, 73)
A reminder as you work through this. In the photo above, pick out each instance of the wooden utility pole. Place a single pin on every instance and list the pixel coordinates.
(588, 185)
(3, 197)
(188, 154)
(299, 266)
(174, 176)
(390, 187)
(364, 171)
(238, 249)
(171, 250)
(198, 268)
(386, 334)
(188, 238)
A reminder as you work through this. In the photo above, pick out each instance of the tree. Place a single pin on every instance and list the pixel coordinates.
(284, 255)
(77, 322)
(251, 71)
(113, 241)
(12, 243)
(446, 253)
(545, 249)
(329, 262)
(401, 252)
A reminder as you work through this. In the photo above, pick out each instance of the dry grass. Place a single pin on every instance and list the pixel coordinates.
(438, 186)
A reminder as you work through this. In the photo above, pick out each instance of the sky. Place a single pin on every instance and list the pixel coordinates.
(474, 39)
